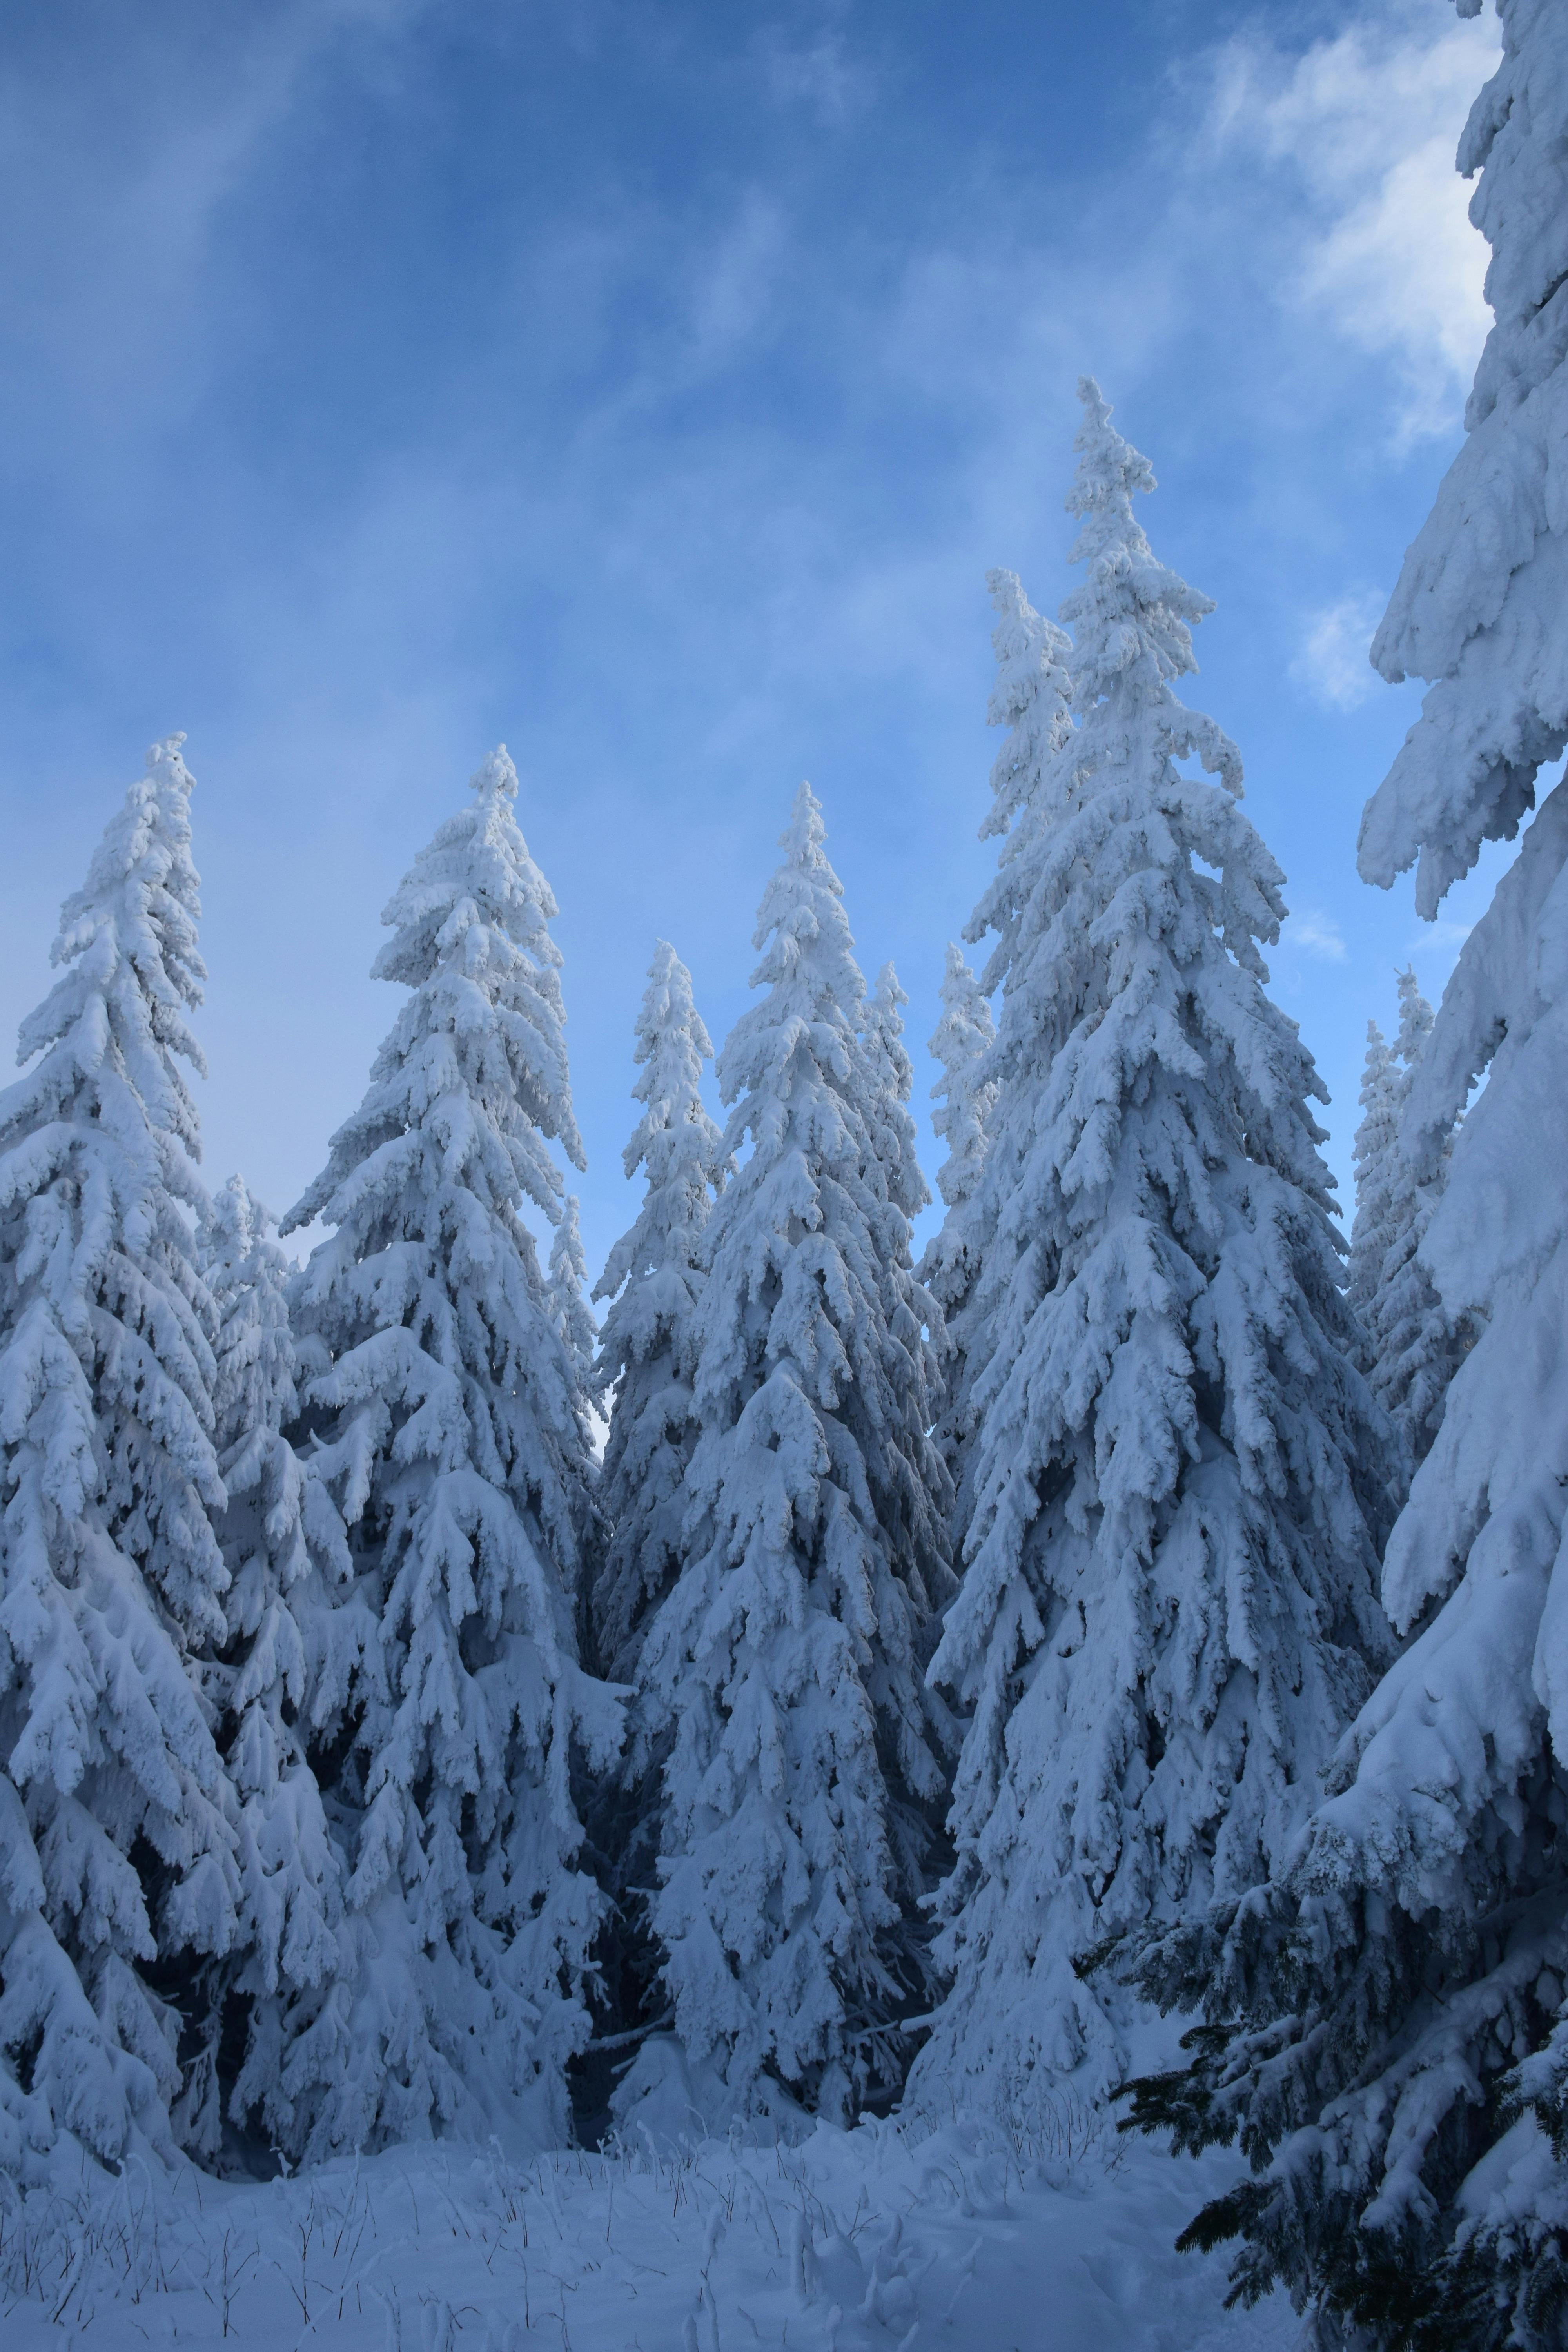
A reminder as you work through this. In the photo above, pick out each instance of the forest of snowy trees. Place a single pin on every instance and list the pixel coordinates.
(835, 1682)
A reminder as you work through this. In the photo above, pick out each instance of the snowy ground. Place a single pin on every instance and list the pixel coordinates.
(858, 2242)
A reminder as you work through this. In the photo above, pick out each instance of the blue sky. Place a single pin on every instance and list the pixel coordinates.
(650, 386)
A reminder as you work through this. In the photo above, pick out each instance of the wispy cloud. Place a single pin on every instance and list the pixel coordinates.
(819, 74)
(1439, 939)
(1333, 663)
(1317, 934)
(1367, 122)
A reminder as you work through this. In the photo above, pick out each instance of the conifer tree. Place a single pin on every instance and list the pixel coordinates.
(565, 1285)
(1171, 1563)
(1417, 1343)
(960, 1042)
(788, 1655)
(1373, 1155)
(116, 1849)
(891, 1076)
(284, 1547)
(652, 1281)
(1387, 2023)
(444, 1418)
(1030, 699)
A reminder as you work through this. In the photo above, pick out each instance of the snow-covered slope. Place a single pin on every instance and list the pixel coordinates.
(860, 2241)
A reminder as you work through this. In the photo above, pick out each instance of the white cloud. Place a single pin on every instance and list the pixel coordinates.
(1440, 941)
(1368, 122)
(118, 178)
(819, 75)
(1333, 663)
(1318, 933)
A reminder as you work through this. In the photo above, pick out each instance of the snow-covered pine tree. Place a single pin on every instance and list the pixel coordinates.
(1387, 2026)
(1418, 1343)
(564, 1289)
(643, 1379)
(444, 1413)
(950, 1260)
(1170, 1587)
(788, 1654)
(1373, 1155)
(1030, 698)
(892, 1075)
(958, 1044)
(284, 1547)
(651, 1279)
(117, 1851)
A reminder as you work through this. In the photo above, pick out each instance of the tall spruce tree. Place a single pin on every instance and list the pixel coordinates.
(1029, 697)
(1169, 1596)
(1421, 1342)
(1373, 1155)
(1387, 2027)
(269, 1683)
(959, 1044)
(1413, 1343)
(788, 1655)
(444, 1419)
(651, 1279)
(891, 1074)
(117, 1845)
(564, 1289)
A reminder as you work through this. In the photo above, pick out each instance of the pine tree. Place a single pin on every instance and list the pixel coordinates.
(117, 1851)
(960, 1042)
(564, 1288)
(1387, 2029)
(1171, 1561)
(652, 1280)
(1374, 1154)
(444, 1418)
(284, 1547)
(1419, 1344)
(892, 1078)
(1410, 1344)
(1030, 698)
(788, 1655)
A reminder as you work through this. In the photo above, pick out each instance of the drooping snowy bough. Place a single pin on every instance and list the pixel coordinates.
(788, 1656)
(1389, 2032)
(117, 1848)
(1169, 1600)
(445, 1419)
